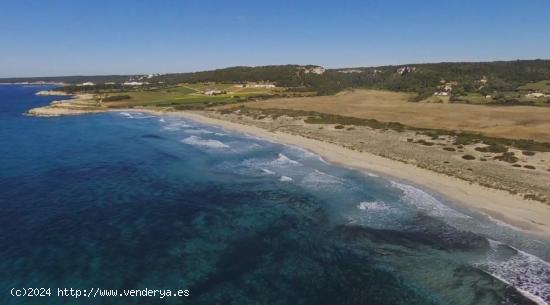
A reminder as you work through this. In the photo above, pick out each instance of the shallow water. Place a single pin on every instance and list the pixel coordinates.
(129, 200)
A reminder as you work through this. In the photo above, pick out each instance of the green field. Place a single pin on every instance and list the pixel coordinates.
(517, 97)
(186, 94)
(542, 86)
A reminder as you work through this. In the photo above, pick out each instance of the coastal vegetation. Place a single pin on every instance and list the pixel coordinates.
(492, 144)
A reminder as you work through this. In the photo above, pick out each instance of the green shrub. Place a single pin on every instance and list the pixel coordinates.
(468, 157)
(114, 98)
(507, 157)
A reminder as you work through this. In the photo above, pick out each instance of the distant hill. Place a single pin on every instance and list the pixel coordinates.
(456, 78)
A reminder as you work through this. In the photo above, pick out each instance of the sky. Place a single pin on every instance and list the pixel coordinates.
(52, 38)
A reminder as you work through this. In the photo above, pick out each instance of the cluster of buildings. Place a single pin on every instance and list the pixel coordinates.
(313, 69)
(213, 92)
(86, 84)
(128, 83)
(537, 94)
(445, 89)
(256, 85)
(247, 85)
(405, 70)
(134, 83)
(137, 80)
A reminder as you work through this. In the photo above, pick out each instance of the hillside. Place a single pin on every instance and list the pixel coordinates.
(503, 82)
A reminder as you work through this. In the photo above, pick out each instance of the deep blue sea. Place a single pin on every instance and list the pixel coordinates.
(129, 200)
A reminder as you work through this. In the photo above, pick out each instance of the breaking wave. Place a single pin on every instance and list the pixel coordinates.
(267, 171)
(283, 160)
(318, 178)
(285, 179)
(426, 202)
(136, 115)
(198, 131)
(176, 126)
(526, 272)
(375, 205)
(197, 141)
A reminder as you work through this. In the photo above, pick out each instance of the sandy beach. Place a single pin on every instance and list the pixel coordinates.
(528, 215)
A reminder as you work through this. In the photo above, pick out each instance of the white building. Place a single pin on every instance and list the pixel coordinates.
(263, 86)
(536, 94)
(133, 83)
(315, 70)
(86, 84)
(212, 92)
(404, 70)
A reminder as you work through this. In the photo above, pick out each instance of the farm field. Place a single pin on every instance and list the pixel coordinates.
(516, 122)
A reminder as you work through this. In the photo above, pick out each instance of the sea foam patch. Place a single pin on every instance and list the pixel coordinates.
(207, 143)
(374, 205)
(177, 125)
(283, 160)
(318, 178)
(426, 202)
(198, 131)
(135, 115)
(285, 179)
(526, 272)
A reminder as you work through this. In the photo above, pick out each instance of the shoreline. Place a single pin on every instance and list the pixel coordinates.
(528, 215)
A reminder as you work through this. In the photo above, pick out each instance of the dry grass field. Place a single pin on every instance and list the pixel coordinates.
(518, 122)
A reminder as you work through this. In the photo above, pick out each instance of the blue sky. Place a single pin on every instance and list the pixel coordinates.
(43, 38)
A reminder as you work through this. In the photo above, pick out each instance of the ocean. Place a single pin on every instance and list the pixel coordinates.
(128, 201)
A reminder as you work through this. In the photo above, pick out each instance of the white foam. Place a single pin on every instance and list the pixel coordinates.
(197, 141)
(126, 114)
(162, 120)
(267, 171)
(176, 126)
(135, 115)
(284, 161)
(527, 273)
(375, 205)
(240, 147)
(198, 131)
(318, 178)
(285, 179)
(426, 202)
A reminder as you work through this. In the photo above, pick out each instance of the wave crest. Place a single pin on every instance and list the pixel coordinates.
(426, 202)
(197, 141)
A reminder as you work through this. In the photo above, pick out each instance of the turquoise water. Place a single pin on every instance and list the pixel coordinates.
(129, 200)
